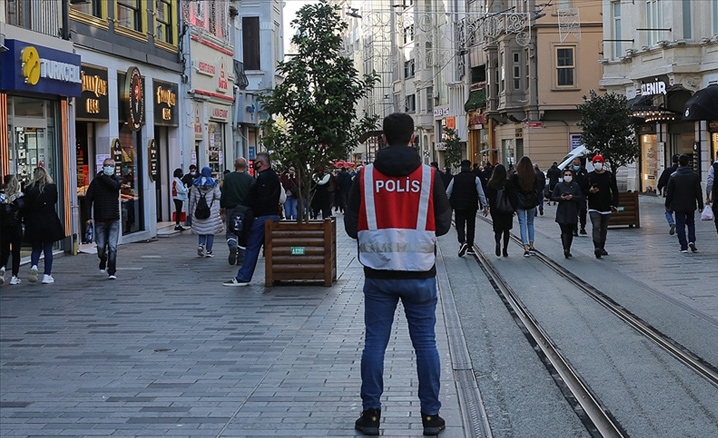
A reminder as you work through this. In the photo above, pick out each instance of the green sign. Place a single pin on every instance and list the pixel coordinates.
(297, 250)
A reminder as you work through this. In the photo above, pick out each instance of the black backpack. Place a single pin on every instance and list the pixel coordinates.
(202, 210)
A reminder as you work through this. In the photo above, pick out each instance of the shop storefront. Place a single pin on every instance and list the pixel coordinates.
(159, 151)
(36, 84)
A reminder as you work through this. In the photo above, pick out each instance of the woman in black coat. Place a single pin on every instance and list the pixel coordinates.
(11, 202)
(42, 225)
(568, 195)
(503, 221)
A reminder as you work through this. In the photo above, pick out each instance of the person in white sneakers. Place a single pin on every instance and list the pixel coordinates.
(11, 201)
(42, 225)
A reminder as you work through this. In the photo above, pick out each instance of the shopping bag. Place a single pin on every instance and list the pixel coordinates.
(707, 214)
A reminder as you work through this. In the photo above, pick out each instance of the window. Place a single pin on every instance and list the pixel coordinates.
(565, 68)
(19, 13)
(715, 17)
(410, 105)
(408, 34)
(502, 79)
(89, 7)
(563, 4)
(409, 69)
(430, 99)
(617, 33)
(478, 74)
(250, 43)
(654, 20)
(164, 21)
(129, 14)
(517, 72)
(687, 31)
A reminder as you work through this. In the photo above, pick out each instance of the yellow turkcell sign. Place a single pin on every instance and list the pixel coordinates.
(30, 65)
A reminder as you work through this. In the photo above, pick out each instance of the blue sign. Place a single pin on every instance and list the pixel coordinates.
(37, 69)
(252, 153)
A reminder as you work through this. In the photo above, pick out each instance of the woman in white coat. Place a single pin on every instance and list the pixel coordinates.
(206, 227)
(179, 196)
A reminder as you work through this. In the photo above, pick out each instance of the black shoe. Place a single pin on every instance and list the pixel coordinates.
(672, 230)
(433, 424)
(179, 228)
(541, 211)
(498, 250)
(470, 251)
(232, 259)
(693, 246)
(583, 231)
(604, 252)
(506, 252)
(598, 253)
(566, 253)
(575, 233)
(368, 423)
(462, 249)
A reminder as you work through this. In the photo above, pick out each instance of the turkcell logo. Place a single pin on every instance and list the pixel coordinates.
(34, 68)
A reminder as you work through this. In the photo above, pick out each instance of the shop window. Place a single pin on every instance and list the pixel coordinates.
(250, 42)
(216, 146)
(565, 67)
(616, 31)
(130, 166)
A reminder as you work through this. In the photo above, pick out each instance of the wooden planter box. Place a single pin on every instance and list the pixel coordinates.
(300, 251)
(628, 213)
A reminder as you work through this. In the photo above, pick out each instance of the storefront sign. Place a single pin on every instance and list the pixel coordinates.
(219, 112)
(198, 132)
(164, 97)
(94, 103)
(658, 87)
(38, 69)
(440, 112)
(476, 120)
(117, 155)
(222, 83)
(132, 98)
(451, 122)
(575, 140)
(534, 125)
(152, 159)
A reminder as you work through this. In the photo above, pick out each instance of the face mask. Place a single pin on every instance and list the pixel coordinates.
(109, 170)
(193, 173)
(568, 178)
(598, 166)
(257, 166)
(577, 168)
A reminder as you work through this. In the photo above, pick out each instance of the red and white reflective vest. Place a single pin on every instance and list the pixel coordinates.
(396, 229)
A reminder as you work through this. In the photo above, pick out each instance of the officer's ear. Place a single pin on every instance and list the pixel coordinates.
(413, 141)
(383, 138)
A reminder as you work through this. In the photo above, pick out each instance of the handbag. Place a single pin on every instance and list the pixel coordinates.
(707, 214)
(526, 201)
(503, 203)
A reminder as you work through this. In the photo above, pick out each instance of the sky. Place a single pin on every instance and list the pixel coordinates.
(290, 13)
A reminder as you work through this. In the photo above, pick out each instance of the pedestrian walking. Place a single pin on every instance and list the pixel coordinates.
(344, 185)
(263, 200)
(396, 231)
(526, 188)
(553, 174)
(204, 200)
(466, 196)
(42, 225)
(290, 183)
(103, 199)
(179, 196)
(580, 177)
(234, 192)
(322, 200)
(682, 194)
(569, 196)
(541, 183)
(499, 190)
(602, 201)
(188, 180)
(712, 190)
(663, 184)
(11, 202)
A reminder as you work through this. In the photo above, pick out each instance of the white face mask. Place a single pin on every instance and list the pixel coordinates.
(568, 178)
(598, 166)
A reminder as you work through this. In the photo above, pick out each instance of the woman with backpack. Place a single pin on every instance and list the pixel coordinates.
(527, 199)
(11, 201)
(204, 204)
(499, 190)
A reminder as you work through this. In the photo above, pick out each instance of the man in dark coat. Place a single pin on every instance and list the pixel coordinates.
(104, 195)
(553, 174)
(541, 185)
(344, 185)
(663, 183)
(682, 194)
(580, 176)
(465, 191)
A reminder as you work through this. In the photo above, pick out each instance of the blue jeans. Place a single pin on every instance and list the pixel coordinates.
(684, 218)
(254, 245)
(106, 236)
(37, 248)
(290, 208)
(419, 300)
(526, 224)
(207, 240)
(669, 216)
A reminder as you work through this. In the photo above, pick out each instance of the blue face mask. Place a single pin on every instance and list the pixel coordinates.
(109, 170)
(576, 168)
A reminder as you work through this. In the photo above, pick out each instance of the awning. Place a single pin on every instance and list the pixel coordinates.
(477, 99)
(640, 102)
(703, 105)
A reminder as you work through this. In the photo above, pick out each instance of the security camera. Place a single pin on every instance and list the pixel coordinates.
(3, 48)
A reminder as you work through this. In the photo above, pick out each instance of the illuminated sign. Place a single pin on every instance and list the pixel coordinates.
(94, 102)
(164, 97)
(37, 69)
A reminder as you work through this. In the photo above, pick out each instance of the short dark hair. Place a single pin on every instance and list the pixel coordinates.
(683, 160)
(192, 166)
(466, 164)
(178, 173)
(398, 129)
(675, 158)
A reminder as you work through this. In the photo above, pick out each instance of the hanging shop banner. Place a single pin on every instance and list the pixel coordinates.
(153, 158)
(132, 97)
(94, 103)
(117, 155)
(164, 99)
(37, 69)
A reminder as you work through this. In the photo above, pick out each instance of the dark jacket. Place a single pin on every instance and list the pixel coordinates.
(235, 188)
(607, 194)
(540, 180)
(553, 174)
(519, 193)
(399, 161)
(344, 181)
(502, 220)
(665, 176)
(684, 189)
(567, 210)
(42, 225)
(464, 193)
(263, 196)
(580, 177)
(104, 195)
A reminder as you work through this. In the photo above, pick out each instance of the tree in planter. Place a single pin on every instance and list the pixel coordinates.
(314, 120)
(608, 130)
(452, 153)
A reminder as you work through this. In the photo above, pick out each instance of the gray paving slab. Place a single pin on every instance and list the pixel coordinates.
(165, 350)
